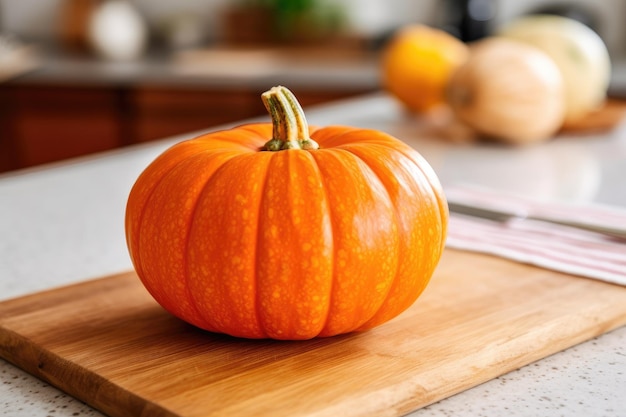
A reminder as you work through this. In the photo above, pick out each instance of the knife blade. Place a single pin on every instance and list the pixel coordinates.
(503, 216)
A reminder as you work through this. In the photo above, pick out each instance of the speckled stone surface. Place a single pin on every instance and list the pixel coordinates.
(64, 224)
(585, 380)
(23, 395)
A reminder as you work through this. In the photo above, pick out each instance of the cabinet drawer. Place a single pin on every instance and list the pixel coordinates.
(160, 113)
(53, 123)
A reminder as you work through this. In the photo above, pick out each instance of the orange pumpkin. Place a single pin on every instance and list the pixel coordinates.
(417, 63)
(292, 238)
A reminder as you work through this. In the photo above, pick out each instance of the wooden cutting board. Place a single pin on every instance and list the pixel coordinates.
(109, 344)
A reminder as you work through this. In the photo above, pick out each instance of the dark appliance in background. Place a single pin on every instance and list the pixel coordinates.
(469, 20)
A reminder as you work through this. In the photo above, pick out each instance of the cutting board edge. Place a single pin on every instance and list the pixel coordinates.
(105, 395)
(108, 396)
(403, 406)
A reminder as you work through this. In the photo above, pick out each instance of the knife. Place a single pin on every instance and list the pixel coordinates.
(504, 216)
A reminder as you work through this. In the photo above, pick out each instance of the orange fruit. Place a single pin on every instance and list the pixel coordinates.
(417, 63)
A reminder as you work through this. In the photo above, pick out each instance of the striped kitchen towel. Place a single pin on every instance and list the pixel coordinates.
(560, 248)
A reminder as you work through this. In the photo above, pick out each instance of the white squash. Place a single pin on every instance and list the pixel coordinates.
(509, 91)
(579, 52)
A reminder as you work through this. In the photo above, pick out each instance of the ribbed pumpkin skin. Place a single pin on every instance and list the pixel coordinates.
(291, 244)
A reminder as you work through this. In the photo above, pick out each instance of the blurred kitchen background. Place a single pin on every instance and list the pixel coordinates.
(82, 76)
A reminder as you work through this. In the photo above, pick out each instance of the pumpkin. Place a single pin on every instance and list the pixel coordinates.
(417, 63)
(277, 230)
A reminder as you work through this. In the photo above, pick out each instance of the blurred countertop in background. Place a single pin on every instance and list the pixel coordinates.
(215, 67)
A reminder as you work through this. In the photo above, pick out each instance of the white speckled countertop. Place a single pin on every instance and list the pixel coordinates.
(64, 223)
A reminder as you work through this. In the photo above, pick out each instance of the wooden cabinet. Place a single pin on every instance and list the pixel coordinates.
(40, 124)
(162, 112)
(7, 159)
(50, 123)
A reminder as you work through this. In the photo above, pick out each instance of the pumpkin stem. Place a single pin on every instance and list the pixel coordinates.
(290, 129)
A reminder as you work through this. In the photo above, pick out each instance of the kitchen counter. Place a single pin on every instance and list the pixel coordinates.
(211, 68)
(63, 223)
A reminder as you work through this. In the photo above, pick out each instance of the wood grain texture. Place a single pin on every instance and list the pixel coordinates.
(108, 343)
(603, 119)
